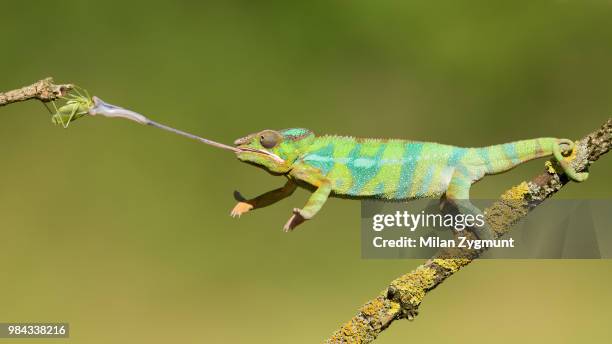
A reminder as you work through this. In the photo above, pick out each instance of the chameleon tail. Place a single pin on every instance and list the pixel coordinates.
(565, 164)
(501, 158)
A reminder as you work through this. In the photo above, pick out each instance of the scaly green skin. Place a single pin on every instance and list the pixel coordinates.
(385, 169)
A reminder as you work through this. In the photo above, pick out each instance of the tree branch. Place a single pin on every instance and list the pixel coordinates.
(44, 90)
(404, 294)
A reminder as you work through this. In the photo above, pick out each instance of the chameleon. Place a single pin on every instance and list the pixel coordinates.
(362, 168)
(386, 169)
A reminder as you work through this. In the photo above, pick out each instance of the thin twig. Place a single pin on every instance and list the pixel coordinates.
(44, 90)
(403, 296)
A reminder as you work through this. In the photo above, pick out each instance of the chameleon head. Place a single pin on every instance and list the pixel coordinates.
(273, 150)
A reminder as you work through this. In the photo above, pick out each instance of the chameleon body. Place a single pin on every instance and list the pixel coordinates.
(395, 170)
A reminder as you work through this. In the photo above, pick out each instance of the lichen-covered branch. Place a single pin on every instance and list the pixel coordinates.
(44, 90)
(403, 296)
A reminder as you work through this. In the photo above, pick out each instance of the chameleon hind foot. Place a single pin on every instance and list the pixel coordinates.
(295, 220)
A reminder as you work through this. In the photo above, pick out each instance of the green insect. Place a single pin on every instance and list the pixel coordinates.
(75, 106)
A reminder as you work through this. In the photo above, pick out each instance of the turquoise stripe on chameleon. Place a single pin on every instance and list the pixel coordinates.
(410, 161)
(456, 155)
(484, 154)
(510, 151)
(321, 158)
(363, 169)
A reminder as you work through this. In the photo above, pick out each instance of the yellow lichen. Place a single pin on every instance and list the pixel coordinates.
(351, 332)
(428, 276)
(517, 192)
(372, 307)
(452, 265)
(549, 167)
(416, 297)
(348, 329)
(412, 286)
(512, 207)
(395, 307)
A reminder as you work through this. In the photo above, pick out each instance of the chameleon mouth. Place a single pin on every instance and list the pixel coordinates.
(262, 152)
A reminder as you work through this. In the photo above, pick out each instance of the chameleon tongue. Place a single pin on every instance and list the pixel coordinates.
(191, 136)
(105, 109)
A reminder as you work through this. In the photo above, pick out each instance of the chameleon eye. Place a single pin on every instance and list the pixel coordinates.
(269, 139)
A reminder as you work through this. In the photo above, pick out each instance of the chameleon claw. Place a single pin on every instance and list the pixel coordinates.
(241, 208)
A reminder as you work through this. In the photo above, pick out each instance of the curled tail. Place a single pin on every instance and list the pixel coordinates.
(500, 158)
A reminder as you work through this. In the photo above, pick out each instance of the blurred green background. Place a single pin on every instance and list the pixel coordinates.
(125, 232)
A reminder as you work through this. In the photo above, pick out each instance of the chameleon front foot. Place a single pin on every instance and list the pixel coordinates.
(241, 208)
(295, 220)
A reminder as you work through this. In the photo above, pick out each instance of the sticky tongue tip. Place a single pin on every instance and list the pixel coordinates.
(109, 110)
